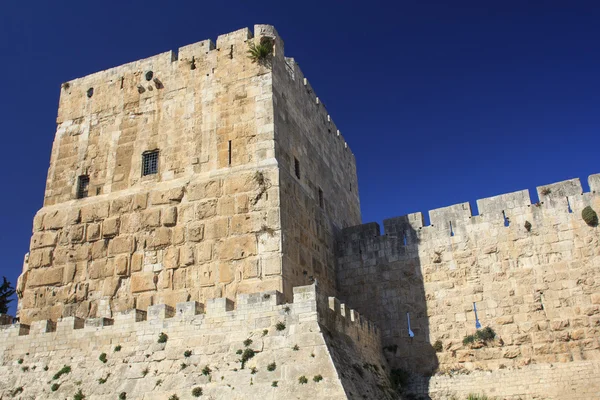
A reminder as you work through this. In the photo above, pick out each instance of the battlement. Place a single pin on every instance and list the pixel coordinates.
(308, 301)
(566, 197)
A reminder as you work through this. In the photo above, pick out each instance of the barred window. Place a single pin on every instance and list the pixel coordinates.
(150, 162)
(83, 184)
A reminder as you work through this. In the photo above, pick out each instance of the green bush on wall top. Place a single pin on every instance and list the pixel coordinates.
(589, 216)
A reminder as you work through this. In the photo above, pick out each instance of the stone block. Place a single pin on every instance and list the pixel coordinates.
(43, 239)
(170, 216)
(158, 239)
(204, 190)
(174, 195)
(195, 231)
(171, 258)
(92, 232)
(140, 201)
(151, 219)
(40, 258)
(110, 227)
(189, 309)
(187, 256)
(160, 311)
(121, 264)
(55, 220)
(76, 233)
(137, 260)
(236, 248)
(205, 209)
(143, 282)
(121, 244)
(218, 306)
(94, 212)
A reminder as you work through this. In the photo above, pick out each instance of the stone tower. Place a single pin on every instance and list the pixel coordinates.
(188, 176)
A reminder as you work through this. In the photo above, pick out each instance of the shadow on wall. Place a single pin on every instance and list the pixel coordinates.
(381, 277)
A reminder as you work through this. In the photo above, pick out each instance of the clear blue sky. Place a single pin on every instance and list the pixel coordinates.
(441, 101)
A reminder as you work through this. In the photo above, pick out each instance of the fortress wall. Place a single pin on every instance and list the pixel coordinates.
(195, 105)
(191, 239)
(324, 199)
(203, 227)
(538, 289)
(143, 368)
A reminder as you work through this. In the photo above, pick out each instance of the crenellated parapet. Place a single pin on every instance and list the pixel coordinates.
(528, 268)
(224, 347)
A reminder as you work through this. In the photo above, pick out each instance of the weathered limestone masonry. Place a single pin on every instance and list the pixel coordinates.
(253, 180)
(531, 270)
(337, 351)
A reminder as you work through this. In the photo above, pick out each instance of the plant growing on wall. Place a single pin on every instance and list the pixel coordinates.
(261, 53)
(482, 335)
(163, 337)
(589, 216)
(528, 226)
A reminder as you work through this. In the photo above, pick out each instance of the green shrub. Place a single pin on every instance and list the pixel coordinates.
(123, 396)
(118, 348)
(17, 391)
(271, 367)
(174, 397)
(54, 387)
(438, 346)
(247, 355)
(261, 52)
(280, 326)
(102, 381)
(197, 391)
(318, 378)
(528, 226)
(468, 339)
(589, 216)
(478, 397)
(163, 337)
(296, 347)
(103, 358)
(253, 370)
(274, 383)
(239, 351)
(206, 370)
(187, 353)
(25, 368)
(265, 332)
(145, 372)
(183, 366)
(247, 342)
(79, 395)
(46, 368)
(302, 380)
(64, 370)
(483, 335)
(20, 361)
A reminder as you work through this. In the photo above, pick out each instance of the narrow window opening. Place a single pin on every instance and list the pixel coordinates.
(404, 238)
(98, 190)
(122, 81)
(150, 162)
(231, 52)
(321, 202)
(350, 186)
(229, 152)
(297, 167)
(506, 220)
(451, 229)
(569, 206)
(83, 184)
